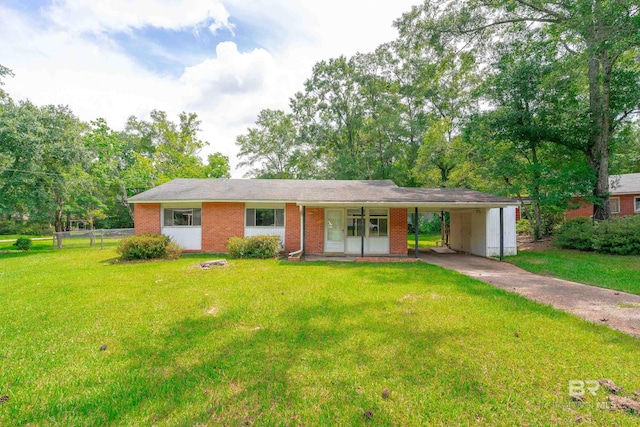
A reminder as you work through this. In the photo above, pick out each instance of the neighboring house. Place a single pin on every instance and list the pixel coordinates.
(319, 217)
(624, 199)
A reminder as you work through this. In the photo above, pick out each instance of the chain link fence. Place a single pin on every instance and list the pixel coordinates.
(89, 237)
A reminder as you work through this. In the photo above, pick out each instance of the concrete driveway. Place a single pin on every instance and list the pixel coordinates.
(615, 309)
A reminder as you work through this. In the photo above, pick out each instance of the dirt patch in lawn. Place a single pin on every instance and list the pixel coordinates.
(527, 244)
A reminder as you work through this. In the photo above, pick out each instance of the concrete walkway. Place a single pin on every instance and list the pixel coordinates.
(617, 310)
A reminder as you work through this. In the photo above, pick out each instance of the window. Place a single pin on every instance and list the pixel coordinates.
(265, 217)
(636, 204)
(354, 223)
(182, 217)
(614, 204)
(378, 220)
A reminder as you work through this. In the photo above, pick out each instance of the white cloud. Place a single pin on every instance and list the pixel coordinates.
(96, 78)
(121, 15)
(230, 72)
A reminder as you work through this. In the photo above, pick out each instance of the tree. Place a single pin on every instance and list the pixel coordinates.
(4, 72)
(271, 149)
(599, 35)
(523, 140)
(217, 166)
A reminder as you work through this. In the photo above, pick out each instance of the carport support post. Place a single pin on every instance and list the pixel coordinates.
(501, 234)
(415, 231)
(362, 237)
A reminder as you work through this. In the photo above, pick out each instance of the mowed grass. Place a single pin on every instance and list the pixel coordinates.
(621, 273)
(424, 240)
(276, 343)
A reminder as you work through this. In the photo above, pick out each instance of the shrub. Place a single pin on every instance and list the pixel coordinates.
(523, 226)
(253, 247)
(576, 233)
(174, 250)
(620, 236)
(23, 244)
(148, 246)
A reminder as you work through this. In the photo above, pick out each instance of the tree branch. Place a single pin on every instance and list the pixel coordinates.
(509, 21)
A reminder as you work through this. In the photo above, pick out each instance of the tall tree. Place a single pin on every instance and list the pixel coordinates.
(270, 149)
(523, 140)
(217, 166)
(599, 34)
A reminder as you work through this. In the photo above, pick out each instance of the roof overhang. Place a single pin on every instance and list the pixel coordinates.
(420, 205)
(353, 204)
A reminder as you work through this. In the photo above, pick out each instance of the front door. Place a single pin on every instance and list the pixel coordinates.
(334, 230)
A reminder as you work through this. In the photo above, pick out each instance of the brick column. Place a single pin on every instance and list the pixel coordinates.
(314, 225)
(398, 231)
(292, 228)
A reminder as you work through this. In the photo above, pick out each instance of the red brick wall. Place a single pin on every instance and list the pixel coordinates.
(586, 209)
(627, 204)
(398, 231)
(221, 221)
(292, 228)
(146, 218)
(314, 231)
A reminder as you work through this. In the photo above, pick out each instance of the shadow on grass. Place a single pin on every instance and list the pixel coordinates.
(307, 362)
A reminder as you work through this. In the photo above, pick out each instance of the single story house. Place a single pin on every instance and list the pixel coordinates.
(624, 199)
(330, 217)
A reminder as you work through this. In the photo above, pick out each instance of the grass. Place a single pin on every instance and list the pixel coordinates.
(15, 236)
(424, 240)
(606, 271)
(277, 343)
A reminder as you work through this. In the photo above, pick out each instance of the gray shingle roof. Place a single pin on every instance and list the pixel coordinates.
(625, 184)
(309, 192)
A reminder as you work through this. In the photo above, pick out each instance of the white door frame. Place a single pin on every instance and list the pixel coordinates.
(334, 246)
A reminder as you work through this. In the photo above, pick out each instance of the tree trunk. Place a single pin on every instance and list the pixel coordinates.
(125, 202)
(599, 132)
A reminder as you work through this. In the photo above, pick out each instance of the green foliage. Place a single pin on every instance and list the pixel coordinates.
(217, 166)
(523, 226)
(253, 247)
(430, 226)
(23, 244)
(30, 228)
(618, 236)
(148, 246)
(577, 233)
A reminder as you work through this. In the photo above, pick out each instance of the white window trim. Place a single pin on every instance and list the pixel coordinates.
(367, 217)
(266, 227)
(163, 207)
(618, 199)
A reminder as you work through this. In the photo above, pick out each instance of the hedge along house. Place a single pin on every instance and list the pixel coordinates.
(328, 217)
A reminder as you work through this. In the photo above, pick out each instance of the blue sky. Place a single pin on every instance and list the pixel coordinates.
(224, 59)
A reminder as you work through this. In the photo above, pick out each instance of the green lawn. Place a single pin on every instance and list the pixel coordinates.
(424, 240)
(617, 272)
(278, 343)
(15, 236)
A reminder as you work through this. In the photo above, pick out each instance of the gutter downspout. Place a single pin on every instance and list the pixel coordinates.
(302, 233)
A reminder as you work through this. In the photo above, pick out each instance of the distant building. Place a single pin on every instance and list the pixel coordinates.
(624, 199)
